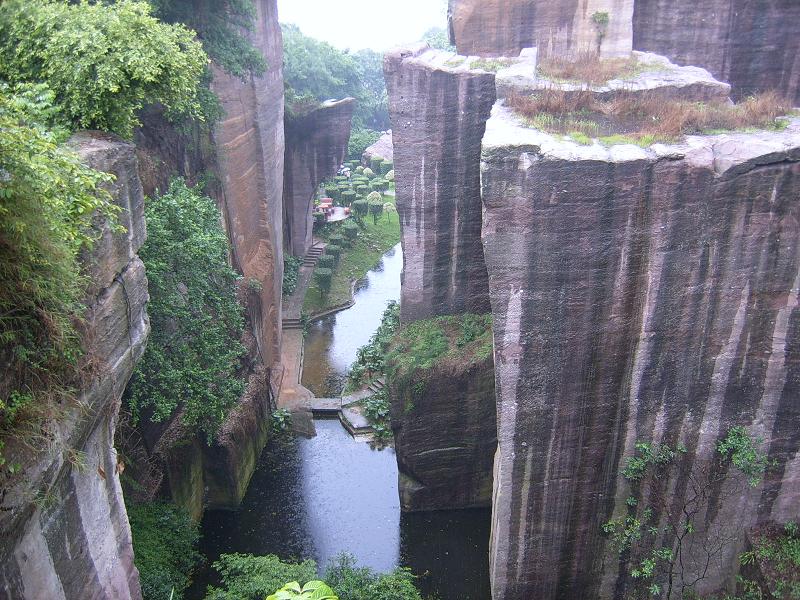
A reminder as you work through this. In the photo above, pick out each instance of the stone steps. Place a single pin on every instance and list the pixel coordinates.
(292, 324)
(377, 385)
(312, 256)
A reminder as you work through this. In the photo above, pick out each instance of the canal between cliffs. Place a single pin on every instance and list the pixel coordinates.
(319, 497)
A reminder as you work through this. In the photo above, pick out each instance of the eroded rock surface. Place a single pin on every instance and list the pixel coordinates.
(63, 521)
(316, 146)
(250, 148)
(638, 294)
(567, 27)
(752, 45)
(438, 109)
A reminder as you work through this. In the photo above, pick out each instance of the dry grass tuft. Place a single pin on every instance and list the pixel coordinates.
(589, 68)
(644, 117)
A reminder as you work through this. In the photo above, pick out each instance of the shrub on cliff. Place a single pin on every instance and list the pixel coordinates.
(291, 271)
(47, 203)
(104, 62)
(194, 353)
(164, 547)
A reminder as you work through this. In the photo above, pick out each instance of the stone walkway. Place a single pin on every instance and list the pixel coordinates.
(293, 395)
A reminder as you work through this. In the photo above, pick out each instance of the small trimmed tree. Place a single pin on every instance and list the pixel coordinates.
(350, 230)
(359, 170)
(326, 261)
(360, 207)
(368, 173)
(379, 184)
(375, 163)
(375, 201)
(386, 166)
(348, 197)
(324, 278)
(389, 176)
(333, 250)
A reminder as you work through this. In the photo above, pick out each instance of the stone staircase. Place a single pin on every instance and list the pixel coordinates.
(291, 324)
(377, 385)
(312, 256)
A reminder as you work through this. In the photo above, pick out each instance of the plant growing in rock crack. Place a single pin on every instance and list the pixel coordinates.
(377, 410)
(600, 20)
(662, 538)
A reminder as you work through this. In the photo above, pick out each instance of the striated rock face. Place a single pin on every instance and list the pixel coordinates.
(250, 147)
(568, 27)
(383, 148)
(438, 114)
(445, 426)
(63, 522)
(316, 146)
(753, 45)
(638, 294)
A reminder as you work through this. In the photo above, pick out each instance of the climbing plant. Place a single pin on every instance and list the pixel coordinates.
(103, 62)
(668, 547)
(194, 351)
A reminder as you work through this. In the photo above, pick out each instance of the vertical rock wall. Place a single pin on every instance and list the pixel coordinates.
(250, 148)
(438, 115)
(755, 46)
(638, 294)
(63, 523)
(316, 146)
(567, 27)
(444, 424)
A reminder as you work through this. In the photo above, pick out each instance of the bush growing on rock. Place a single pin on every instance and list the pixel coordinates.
(193, 292)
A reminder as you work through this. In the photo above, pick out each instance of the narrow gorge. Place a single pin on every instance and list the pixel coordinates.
(509, 315)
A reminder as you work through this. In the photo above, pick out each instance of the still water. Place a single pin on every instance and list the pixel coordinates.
(318, 497)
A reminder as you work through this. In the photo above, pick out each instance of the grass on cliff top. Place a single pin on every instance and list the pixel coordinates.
(590, 68)
(644, 119)
(372, 243)
(461, 339)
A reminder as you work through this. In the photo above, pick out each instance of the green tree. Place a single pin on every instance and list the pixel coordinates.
(165, 548)
(194, 353)
(248, 577)
(438, 38)
(103, 62)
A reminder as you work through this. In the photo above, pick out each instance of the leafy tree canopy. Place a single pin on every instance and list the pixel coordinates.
(103, 62)
(194, 351)
(315, 71)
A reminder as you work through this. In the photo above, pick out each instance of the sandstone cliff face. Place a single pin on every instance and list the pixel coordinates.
(445, 430)
(753, 45)
(638, 294)
(250, 147)
(63, 522)
(316, 146)
(438, 115)
(568, 27)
